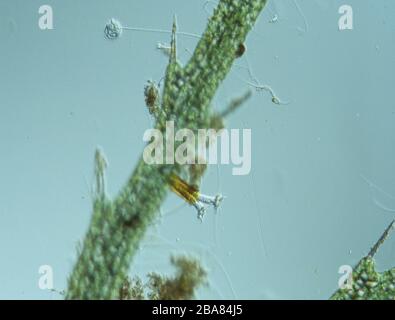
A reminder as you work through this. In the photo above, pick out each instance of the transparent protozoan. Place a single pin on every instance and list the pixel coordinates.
(113, 29)
(274, 19)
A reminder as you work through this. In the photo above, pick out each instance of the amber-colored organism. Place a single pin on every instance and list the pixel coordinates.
(151, 93)
(188, 192)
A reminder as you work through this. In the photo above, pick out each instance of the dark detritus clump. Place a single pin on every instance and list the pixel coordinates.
(182, 286)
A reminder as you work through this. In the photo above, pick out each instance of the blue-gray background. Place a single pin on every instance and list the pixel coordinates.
(322, 185)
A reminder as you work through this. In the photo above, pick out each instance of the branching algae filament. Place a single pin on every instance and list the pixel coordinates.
(108, 247)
